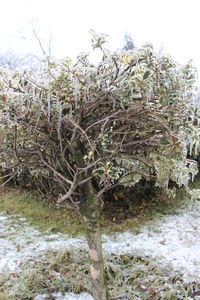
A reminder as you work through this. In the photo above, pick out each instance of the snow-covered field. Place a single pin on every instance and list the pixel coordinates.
(173, 240)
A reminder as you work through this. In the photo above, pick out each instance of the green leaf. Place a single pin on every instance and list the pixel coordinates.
(146, 75)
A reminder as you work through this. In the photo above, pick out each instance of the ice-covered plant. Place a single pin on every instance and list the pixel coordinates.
(86, 128)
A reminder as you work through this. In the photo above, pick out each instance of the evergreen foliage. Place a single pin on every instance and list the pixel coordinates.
(132, 116)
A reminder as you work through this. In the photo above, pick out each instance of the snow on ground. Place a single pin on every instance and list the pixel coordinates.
(68, 296)
(173, 239)
(19, 241)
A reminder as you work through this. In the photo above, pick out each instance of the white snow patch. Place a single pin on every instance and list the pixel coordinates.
(67, 296)
(173, 240)
(20, 242)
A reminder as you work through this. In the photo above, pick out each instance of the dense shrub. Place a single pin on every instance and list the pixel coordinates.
(80, 129)
(132, 113)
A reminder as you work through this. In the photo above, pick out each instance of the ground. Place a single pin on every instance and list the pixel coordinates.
(155, 257)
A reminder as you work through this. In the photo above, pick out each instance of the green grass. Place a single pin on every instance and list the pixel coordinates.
(46, 217)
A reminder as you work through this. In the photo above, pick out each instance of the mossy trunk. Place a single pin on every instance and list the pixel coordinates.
(91, 219)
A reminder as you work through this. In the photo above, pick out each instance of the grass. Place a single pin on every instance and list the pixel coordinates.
(128, 277)
(46, 217)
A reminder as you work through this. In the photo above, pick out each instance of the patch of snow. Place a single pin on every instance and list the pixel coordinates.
(19, 242)
(67, 296)
(174, 240)
(71, 296)
(40, 297)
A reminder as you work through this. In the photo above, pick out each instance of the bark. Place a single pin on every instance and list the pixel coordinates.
(91, 213)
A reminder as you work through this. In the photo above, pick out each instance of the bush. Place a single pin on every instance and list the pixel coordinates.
(132, 114)
(81, 129)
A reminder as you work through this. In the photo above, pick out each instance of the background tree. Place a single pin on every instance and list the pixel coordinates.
(44, 42)
(88, 128)
(18, 62)
(128, 42)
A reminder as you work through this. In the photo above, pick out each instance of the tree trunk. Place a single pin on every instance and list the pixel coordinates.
(90, 214)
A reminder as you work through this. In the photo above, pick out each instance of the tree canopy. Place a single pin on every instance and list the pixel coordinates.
(132, 115)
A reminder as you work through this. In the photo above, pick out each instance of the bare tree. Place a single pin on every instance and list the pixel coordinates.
(45, 45)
